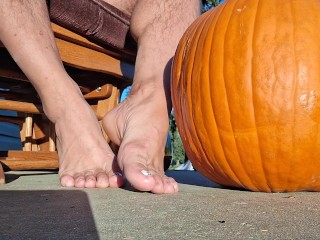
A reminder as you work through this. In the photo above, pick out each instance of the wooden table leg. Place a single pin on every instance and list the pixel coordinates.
(2, 178)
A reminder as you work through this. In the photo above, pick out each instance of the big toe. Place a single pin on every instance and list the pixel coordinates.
(147, 180)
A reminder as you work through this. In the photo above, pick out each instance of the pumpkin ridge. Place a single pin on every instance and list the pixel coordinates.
(274, 176)
(223, 162)
(200, 43)
(256, 82)
(295, 81)
(193, 94)
(186, 65)
(314, 160)
(266, 182)
(310, 161)
(243, 173)
(195, 38)
(225, 168)
(183, 99)
(226, 165)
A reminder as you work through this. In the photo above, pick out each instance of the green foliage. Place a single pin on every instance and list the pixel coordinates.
(178, 152)
(209, 4)
(212, 2)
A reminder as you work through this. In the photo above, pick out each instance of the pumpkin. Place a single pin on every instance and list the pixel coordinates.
(245, 90)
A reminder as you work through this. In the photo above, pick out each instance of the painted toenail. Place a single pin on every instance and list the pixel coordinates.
(145, 172)
(118, 174)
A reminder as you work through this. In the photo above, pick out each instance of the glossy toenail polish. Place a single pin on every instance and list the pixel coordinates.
(145, 172)
(118, 174)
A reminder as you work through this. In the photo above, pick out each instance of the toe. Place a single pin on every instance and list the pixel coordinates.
(151, 181)
(79, 182)
(159, 186)
(137, 177)
(175, 185)
(90, 181)
(170, 185)
(102, 180)
(164, 184)
(67, 181)
(116, 179)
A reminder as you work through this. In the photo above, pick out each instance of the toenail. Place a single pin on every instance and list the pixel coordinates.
(145, 172)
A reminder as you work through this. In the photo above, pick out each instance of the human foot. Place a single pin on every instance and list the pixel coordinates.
(85, 158)
(140, 126)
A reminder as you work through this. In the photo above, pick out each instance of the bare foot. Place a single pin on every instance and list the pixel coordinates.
(140, 126)
(85, 158)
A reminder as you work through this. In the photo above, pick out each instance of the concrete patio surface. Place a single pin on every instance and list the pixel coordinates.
(34, 206)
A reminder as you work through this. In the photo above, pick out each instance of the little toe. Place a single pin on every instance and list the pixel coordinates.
(175, 185)
(116, 179)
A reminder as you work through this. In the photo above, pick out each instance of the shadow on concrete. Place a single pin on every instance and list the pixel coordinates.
(59, 214)
(196, 179)
(191, 178)
(10, 177)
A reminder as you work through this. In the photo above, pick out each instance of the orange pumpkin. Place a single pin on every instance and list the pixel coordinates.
(245, 89)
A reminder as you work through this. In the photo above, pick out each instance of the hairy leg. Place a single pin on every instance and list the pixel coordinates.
(85, 158)
(140, 124)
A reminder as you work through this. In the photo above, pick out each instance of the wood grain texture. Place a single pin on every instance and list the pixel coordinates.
(22, 160)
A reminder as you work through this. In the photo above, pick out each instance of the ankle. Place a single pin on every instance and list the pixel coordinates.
(61, 104)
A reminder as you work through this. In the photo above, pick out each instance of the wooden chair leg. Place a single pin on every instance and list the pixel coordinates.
(2, 177)
(29, 132)
(26, 132)
(52, 138)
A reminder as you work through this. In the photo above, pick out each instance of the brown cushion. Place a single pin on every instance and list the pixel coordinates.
(94, 19)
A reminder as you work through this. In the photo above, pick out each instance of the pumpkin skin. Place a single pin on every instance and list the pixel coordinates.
(245, 89)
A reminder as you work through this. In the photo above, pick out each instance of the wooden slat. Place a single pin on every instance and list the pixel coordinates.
(88, 59)
(27, 107)
(10, 74)
(21, 106)
(16, 120)
(104, 91)
(20, 160)
(63, 33)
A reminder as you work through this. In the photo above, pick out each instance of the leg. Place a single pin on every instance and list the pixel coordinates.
(85, 158)
(140, 124)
